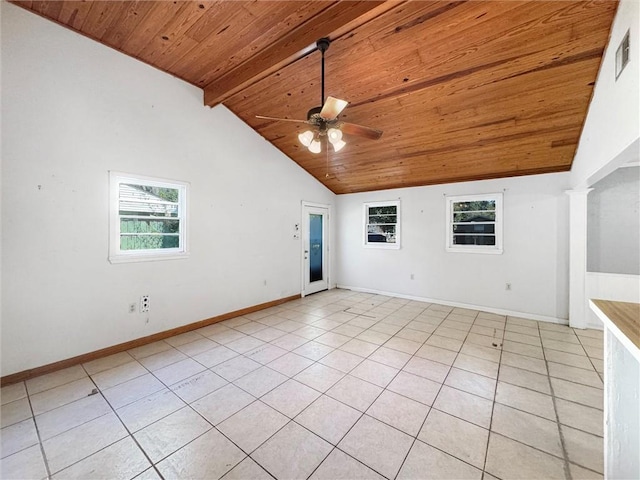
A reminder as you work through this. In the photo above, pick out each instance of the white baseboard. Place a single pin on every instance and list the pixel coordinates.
(482, 308)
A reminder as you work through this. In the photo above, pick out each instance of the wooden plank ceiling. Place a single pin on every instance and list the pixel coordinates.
(463, 90)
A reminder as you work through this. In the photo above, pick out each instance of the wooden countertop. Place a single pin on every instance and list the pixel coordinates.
(625, 316)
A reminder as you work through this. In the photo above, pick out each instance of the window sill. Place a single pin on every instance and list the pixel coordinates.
(147, 258)
(489, 251)
(383, 246)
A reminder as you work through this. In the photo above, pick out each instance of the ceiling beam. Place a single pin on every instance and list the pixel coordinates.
(333, 22)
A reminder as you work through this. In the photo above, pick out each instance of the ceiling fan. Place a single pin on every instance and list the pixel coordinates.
(324, 119)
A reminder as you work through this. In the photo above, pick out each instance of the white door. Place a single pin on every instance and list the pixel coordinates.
(315, 248)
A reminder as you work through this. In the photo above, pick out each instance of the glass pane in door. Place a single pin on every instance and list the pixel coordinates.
(315, 248)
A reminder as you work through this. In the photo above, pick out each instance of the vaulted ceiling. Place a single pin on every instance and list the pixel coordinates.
(463, 90)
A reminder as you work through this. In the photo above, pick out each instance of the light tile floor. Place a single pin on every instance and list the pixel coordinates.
(336, 385)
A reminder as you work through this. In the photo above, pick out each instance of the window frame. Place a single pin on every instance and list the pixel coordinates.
(498, 229)
(383, 245)
(116, 255)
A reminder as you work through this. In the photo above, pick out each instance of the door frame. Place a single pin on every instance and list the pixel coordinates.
(327, 242)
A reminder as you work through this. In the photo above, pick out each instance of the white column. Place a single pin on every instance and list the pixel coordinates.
(578, 301)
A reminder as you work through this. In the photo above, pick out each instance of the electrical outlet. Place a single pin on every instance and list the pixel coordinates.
(507, 286)
(132, 308)
(412, 276)
(144, 303)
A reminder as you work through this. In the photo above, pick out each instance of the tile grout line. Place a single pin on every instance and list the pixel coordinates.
(565, 453)
(553, 397)
(39, 437)
(495, 395)
(376, 398)
(415, 439)
(213, 427)
(97, 389)
(169, 389)
(441, 385)
(385, 388)
(362, 414)
(187, 405)
(129, 433)
(198, 413)
(87, 376)
(289, 418)
(589, 357)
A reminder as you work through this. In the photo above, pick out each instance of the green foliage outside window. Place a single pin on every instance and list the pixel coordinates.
(168, 194)
(162, 227)
(476, 206)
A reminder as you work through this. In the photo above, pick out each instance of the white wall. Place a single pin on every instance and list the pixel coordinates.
(613, 223)
(534, 261)
(611, 132)
(72, 110)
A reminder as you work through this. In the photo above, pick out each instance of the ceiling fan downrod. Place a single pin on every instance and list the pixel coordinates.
(323, 46)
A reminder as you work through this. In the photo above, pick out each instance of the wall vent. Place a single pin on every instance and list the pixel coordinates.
(622, 55)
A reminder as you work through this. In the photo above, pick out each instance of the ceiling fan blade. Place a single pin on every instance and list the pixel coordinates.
(360, 131)
(332, 108)
(282, 119)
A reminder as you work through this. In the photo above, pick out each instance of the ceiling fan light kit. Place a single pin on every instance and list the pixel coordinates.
(335, 137)
(315, 146)
(306, 138)
(324, 119)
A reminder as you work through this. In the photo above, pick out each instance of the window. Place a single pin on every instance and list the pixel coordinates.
(147, 218)
(382, 224)
(474, 223)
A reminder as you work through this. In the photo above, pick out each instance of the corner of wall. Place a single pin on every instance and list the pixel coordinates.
(612, 125)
